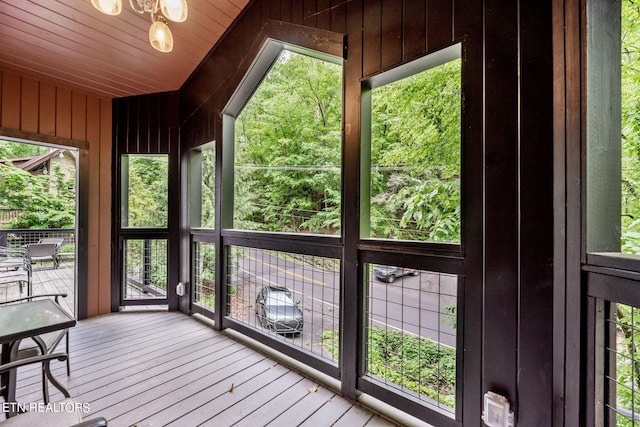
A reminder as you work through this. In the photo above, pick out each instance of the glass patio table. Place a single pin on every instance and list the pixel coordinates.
(27, 320)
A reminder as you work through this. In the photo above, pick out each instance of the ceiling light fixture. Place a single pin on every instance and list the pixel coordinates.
(160, 36)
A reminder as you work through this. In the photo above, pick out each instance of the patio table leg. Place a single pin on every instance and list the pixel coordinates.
(9, 353)
(4, 378)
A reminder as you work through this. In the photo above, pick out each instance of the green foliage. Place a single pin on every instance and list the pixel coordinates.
(288, 149)
(288, 153)
(208, 188)
(148, 191)
(206, 271)
(43, 201)
(415, 156)
(147, 256)
(627, 361)
(205, 292)
(12, 150)
(408, 361)
(630, 235)
(452, 317)
(206, 298)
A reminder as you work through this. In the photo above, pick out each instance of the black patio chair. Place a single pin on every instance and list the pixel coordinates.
(71, 416)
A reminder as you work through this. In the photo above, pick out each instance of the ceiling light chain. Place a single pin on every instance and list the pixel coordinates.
(160, 36)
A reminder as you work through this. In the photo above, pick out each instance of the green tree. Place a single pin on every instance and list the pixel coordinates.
(208, 188)
(627, 318)
(288, 153)
(630, 69)
(148, 191)
(12, 150)
(288, 149)
(42, 202)
(415, 156)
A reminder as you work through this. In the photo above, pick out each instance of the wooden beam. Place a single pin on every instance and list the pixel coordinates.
(11, 133)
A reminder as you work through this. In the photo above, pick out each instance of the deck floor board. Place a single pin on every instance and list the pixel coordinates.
(268, 412)
(304, 408)
(88, 362)
(260, 397)
(166, 368)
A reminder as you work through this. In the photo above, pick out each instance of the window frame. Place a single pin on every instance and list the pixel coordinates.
(429, 61)
(608, 275)
(264, 60)
(124, 191)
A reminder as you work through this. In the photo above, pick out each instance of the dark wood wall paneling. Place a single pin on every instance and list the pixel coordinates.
(507, 119)
(466, 27)
(351, 310)
(148, 124)
(569, 405)
(535, 336)
(500, 338)
(413, 29)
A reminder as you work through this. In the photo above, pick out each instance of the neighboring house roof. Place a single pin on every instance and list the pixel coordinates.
(32, 163)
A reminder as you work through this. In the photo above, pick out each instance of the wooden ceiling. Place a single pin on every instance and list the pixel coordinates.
(69, 42)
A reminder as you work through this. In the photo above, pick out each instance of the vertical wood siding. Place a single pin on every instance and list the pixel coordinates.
(391, 33)
(148, 124)
(41, 108)
(508, 88)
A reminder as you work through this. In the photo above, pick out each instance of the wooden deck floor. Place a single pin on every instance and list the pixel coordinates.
(46, 280)
(160, 368)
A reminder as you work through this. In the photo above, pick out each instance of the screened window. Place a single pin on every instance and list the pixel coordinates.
(204, 269)
(411, 333)
(145, 272)
(144, 191)
(291, 297)
(203, 187)
(630, 122)
(412, 151)
(612, 205)
(287, 149)
(613, 128)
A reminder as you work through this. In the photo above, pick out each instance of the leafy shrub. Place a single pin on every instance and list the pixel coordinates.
(412, 362)
(627, 365)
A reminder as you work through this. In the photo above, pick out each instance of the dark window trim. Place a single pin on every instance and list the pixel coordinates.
(439, 257)
(143, 234)
(604, 288)
(295, 353)
(435, 255)
(411, 246)
(266, 56)
(436, 264)
(615, 260)
(124, 196)
(429, 61)
(304, 244)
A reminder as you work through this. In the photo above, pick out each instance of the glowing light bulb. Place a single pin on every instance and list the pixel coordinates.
(160, 37)
(174, 10)
(109, 7)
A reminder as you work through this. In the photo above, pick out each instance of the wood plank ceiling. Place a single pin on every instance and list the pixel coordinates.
(70, 43)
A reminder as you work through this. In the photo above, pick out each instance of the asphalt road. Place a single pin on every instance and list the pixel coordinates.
(415, 304)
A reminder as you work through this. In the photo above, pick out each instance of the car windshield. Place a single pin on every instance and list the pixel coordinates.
(279, 298)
